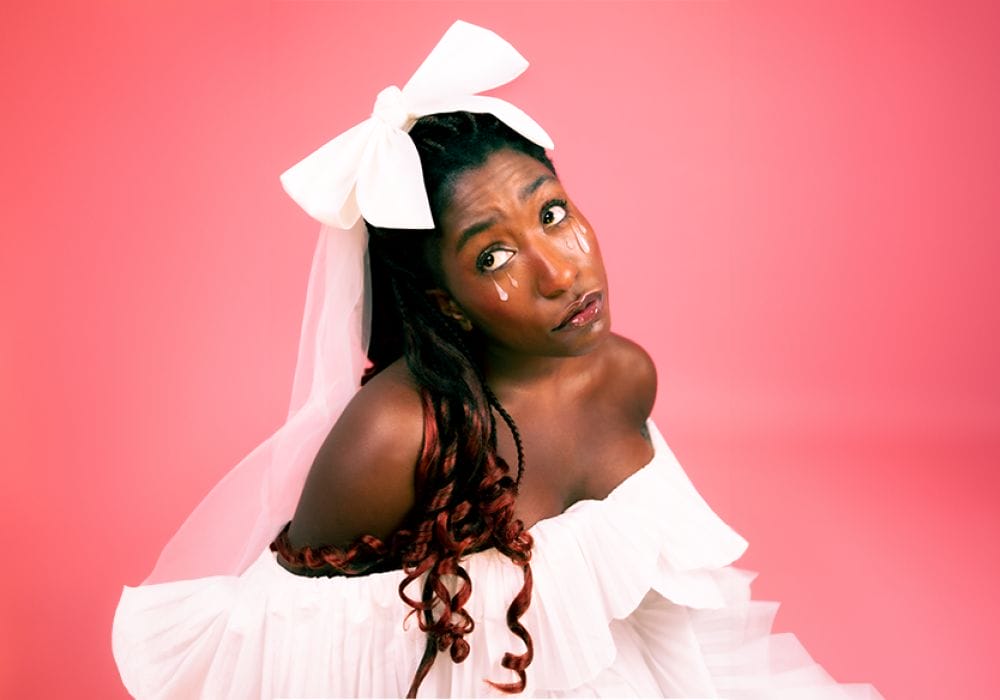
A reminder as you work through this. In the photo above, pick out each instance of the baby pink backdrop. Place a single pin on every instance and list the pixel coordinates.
(797, 206)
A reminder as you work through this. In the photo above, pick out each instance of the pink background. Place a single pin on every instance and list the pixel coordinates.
(797, 206)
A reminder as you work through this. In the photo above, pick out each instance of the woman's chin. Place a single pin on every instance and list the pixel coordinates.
(590, 337)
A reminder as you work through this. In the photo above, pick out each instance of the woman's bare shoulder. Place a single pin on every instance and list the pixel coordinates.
(630, 375)
(361, 482)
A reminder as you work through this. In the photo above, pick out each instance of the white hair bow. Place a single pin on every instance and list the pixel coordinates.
(373, 170)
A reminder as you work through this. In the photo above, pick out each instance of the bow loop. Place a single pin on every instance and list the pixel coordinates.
(467, 60)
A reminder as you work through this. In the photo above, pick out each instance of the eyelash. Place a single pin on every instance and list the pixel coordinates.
(481, 261)
(556, 203)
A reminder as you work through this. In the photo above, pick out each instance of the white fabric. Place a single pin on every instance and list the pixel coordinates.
(373, 170)
(634, 596)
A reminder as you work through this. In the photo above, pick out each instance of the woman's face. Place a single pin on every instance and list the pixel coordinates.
(521, 262)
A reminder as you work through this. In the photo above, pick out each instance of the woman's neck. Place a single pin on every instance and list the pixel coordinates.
(511, 374)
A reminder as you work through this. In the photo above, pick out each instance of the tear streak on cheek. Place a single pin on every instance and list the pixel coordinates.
(581, 237)
(501, 292)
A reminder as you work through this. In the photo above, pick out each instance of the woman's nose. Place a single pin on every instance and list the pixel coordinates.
(556, 268)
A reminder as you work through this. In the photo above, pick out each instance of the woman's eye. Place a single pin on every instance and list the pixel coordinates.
(554, 214)
(494, 260)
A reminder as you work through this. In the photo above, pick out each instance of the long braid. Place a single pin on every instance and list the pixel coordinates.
(495, 403)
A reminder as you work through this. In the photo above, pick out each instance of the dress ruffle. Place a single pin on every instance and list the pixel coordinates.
(634, 595)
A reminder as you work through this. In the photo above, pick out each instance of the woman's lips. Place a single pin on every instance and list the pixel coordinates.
(587, 310)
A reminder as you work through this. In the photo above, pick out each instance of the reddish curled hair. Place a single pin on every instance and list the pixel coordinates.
(465, 492)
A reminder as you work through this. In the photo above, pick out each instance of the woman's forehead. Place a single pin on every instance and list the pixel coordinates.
(505, 182)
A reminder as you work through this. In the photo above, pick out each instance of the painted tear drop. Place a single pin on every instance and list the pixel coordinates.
(500, 291)
(580, 237)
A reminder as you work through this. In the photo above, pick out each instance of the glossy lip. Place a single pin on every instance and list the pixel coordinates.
(578, 306)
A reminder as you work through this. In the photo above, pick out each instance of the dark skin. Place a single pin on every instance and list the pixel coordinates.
(580, 396)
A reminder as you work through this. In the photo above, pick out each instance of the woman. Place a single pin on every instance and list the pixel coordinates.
(497, 480)
(512, 267)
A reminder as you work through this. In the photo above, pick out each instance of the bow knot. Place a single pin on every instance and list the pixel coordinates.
(390, 108)
(373, 169)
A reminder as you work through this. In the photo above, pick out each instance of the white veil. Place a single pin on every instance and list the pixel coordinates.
(371, 170)
(245, 511)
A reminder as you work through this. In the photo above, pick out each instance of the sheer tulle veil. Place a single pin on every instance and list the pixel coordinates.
(370, 172)
(246, 509)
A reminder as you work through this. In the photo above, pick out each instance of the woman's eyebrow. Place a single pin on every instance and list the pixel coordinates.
(471, 231)
(481, 226)
(533, 186)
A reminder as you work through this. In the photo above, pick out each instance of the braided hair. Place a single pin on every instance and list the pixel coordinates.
(465, 491)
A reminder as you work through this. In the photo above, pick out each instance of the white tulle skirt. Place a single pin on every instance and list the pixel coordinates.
(634, 596)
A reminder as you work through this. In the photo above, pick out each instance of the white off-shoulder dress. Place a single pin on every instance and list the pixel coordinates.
(634, 596)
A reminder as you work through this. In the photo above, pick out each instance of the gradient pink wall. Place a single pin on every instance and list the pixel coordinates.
(797, 206)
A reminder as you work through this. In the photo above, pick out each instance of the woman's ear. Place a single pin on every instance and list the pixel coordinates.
(449, 308)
